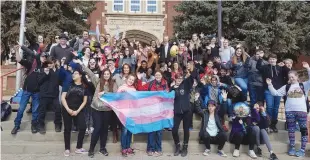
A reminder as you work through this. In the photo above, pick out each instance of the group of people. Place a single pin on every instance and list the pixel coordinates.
(209, 78)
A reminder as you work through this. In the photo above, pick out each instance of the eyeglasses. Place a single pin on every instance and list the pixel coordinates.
(56, 37)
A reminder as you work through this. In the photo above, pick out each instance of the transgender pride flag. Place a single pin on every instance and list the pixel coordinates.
(142, 111)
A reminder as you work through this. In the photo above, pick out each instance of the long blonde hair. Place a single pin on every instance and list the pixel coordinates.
(243, 56)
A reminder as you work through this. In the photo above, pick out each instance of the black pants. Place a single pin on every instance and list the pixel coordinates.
(186, 117)
(114, 122)
(101, 125)
(80, 119)
(219, 139)
(240, 138)
(46, 103)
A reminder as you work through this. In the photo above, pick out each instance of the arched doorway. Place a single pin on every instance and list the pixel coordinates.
(138, 35)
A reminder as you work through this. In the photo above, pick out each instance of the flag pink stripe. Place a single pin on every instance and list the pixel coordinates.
(138, 103)
(167, 114)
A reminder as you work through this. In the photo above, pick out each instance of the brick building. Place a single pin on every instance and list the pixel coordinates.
(142, 20)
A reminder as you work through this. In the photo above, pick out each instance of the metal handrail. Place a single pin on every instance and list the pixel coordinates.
(1, 79)
(11, 72)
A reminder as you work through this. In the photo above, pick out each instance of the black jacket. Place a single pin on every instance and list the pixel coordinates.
(226, 80)
(277, 74)
(161, 52)
(49, 84)
(204, 124)
(182, 95)
(32, 71)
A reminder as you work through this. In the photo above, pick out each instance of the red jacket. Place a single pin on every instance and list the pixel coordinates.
(151, 86)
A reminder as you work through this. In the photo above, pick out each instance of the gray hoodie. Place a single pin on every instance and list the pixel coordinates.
(254, 76)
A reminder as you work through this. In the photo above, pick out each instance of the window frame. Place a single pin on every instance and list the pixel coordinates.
(156, 5)
(135, 5)
(123, 4)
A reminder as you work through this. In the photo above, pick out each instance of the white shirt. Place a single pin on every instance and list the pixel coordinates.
(212, 128)
(295, 97)
(166, 49)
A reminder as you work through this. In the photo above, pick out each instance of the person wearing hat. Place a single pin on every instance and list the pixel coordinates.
(62, 49)
(32, 66)
(211, 129)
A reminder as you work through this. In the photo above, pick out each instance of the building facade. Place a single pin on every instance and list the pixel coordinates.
(141, 20)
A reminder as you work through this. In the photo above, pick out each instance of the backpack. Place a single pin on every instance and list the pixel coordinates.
(301, 85)
(6, 110)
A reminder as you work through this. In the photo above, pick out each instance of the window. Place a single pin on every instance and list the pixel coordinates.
(151, 6)
(135, 6)
(118, 5)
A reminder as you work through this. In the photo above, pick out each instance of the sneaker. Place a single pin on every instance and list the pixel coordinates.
(273, 157)
(81, 151)
(130, 151)
(150, 153)
(300, 153)
(91, 130)
(67, 153)
(259, 152)
(158, 154)
(87, 132)
(221, 153)
(206, 152)
(74, 129)
(124, 153)
(292, 151)
(34, 128)
(91, 154)
(273, 129)
(15, 130)
(236, 153)
(42, 130)
(104, 152)
(58, 128)
(252, 154)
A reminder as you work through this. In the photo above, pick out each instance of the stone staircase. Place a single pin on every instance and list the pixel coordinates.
(52, 143)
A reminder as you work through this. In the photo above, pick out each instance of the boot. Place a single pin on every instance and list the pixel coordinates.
(184, 150)
(177, 149)
(274, 126)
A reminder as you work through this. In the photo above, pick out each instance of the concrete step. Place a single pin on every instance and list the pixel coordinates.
(52, 136)
(20, 147)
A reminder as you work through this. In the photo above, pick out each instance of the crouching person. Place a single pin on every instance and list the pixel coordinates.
(212, 131)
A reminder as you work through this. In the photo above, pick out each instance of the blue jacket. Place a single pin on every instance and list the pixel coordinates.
(240, 70)
(65, 77)
(206, 93)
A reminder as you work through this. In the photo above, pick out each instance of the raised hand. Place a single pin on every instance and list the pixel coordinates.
(305, 65)
(215, 71)
(197, 96)
(268, 81)
(281, 64)
(224, 94)
(75, 53)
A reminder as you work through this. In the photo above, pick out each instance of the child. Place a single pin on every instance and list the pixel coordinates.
(126, 134)
(295, 108)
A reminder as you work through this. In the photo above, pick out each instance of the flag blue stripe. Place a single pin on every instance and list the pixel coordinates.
(149, 127)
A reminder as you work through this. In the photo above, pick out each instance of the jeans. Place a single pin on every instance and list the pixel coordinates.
(101, 126)
(154, 140)
(243, 84)
(44, 104)
(23, 104)
(272, 103)
(256, 94)
(80, 119)
(125, 138)
(186, 117)
(88, 113)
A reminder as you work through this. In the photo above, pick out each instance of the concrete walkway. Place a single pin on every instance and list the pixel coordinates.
(138, 156)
